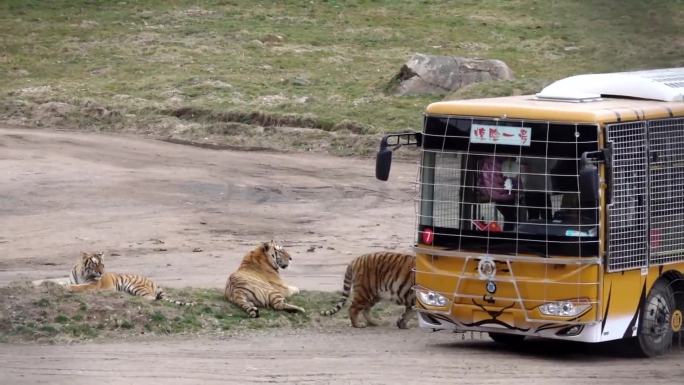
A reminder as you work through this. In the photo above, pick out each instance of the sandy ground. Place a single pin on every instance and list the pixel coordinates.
(149, 204)
(350, 356)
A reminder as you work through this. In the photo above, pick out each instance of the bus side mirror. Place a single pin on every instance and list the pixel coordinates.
(389, 143)
(383, 163)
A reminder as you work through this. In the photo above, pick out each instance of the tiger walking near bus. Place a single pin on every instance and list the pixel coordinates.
(376, 276)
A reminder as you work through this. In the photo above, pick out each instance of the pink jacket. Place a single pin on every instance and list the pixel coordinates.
(491, 181)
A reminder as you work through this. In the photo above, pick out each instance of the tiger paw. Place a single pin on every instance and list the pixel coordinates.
(402, 324)
(293, 290)
(253, 312)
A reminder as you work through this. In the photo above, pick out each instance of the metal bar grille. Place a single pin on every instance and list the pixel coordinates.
(666, 151)
(627, 212)
(516, 200)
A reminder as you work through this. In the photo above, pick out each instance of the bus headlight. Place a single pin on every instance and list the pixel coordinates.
(432, 298)
(566, 308)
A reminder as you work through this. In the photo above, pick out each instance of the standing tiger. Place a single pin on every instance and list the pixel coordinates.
(256, 283)
(376, 276)
(88, 274)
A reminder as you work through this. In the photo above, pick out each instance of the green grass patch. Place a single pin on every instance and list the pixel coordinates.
(215, 71)
(118, 315)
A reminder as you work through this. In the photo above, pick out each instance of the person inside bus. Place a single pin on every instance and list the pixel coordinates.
(499, 182)
(564, 182)
(537, 183)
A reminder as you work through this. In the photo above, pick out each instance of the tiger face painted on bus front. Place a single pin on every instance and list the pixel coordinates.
(376, 276)
(257, 282)
(89, 275)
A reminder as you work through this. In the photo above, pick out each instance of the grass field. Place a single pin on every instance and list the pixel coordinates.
(233, 71)
(49, 313)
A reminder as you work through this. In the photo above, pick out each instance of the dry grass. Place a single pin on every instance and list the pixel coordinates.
(321, 65)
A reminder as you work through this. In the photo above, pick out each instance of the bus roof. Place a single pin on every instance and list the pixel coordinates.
(599, 98)
(665, 84)
(531, 107)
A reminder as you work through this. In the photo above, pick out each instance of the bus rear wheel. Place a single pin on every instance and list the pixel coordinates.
(654, 336)
(507, 339)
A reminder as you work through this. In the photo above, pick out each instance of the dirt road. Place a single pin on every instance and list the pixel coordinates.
(371, 356)
(149, 204)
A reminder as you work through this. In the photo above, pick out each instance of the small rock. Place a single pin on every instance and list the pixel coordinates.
(272, 39)
(311, 249)
(255, 44)
(160, 249)
(273, 99)
(304, 100)
(197, 250)
(300, 82)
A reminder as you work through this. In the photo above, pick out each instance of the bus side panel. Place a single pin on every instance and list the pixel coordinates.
(623, 293)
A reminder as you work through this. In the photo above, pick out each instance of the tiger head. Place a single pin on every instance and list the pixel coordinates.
(278, 257)
(93, 265)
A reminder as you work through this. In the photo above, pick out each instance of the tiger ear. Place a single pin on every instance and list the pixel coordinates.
(84, 255)
(266, 246)
(100, 254)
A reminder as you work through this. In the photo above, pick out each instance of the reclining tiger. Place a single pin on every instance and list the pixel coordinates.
(89, 275)
(376, 276)
(257, 283)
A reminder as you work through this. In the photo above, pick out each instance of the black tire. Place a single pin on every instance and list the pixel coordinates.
(507, 339)
(654, 336)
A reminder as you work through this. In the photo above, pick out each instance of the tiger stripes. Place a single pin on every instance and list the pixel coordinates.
(375, 276)
(257, 283)
(92, 266)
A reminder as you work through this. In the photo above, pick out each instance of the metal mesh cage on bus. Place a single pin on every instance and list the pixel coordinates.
(507, 187)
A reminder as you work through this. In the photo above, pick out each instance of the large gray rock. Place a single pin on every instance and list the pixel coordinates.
(437, 75)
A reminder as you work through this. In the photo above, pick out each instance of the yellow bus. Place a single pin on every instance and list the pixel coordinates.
(556, 215)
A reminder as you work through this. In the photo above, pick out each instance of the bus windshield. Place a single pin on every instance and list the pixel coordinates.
(507, 197)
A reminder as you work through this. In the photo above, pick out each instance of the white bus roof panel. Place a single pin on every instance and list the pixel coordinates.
(663, 84)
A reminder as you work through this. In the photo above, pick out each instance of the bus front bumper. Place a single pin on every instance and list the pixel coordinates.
(583, 332)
